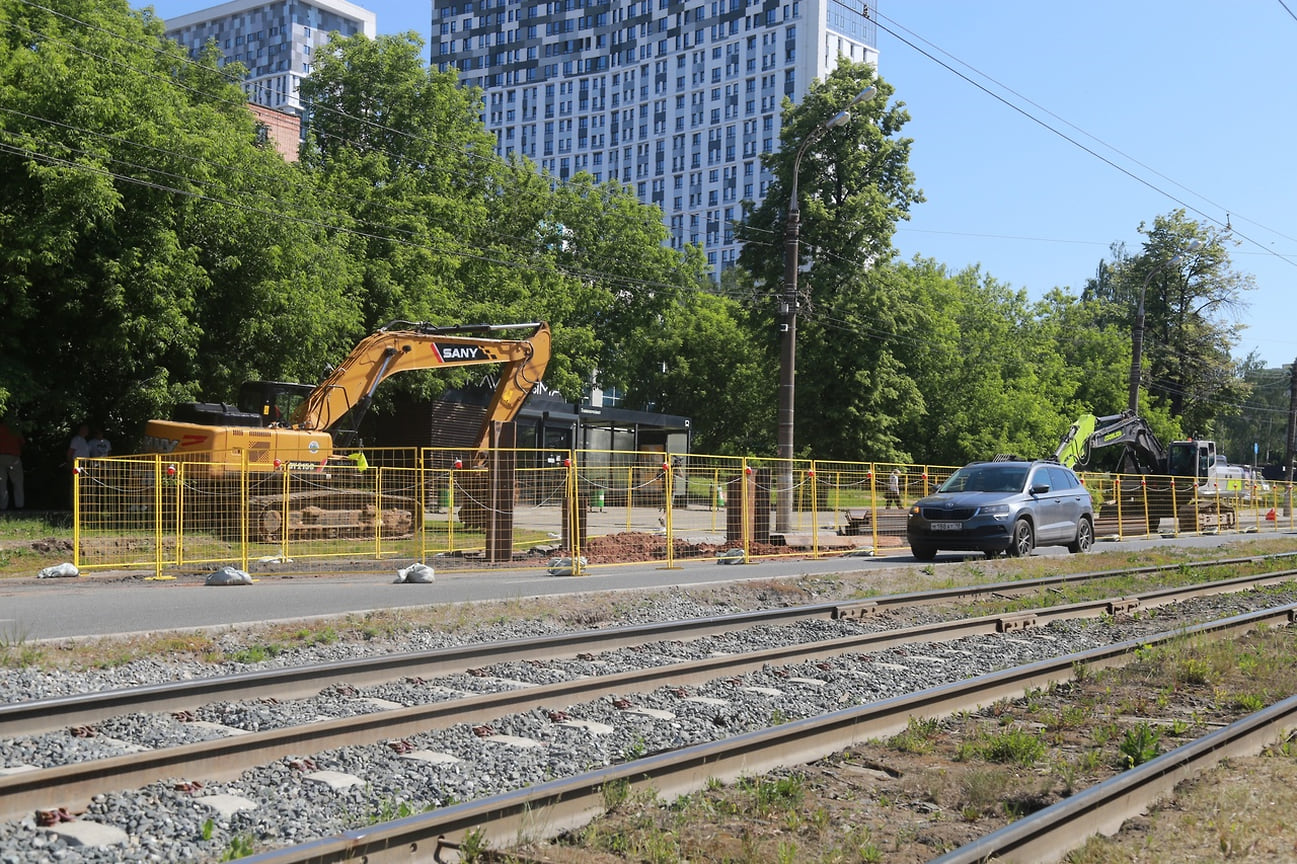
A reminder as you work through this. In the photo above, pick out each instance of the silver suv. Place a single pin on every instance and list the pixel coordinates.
(1003, 506)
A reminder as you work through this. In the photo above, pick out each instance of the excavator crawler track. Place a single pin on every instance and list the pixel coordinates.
(329, 515)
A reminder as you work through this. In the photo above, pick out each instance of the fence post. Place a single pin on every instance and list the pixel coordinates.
(1120, 519)
(1143, 488)
(378, 514)
(577, 525)
(1175, 510)
(815, 510)
(873, 503)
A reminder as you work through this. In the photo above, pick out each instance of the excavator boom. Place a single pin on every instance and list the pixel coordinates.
(1142, 452)
(402, 346)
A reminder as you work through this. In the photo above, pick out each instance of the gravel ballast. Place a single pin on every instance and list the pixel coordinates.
(170, 821)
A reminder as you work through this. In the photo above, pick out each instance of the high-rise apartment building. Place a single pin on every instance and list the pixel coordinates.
(675, 98)
(274, 40)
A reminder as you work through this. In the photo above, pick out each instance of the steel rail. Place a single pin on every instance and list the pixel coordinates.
(1047, 835)
(547, 810)
(46, 715)
(224, 758)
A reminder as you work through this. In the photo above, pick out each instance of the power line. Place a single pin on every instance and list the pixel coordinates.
(1073, 141)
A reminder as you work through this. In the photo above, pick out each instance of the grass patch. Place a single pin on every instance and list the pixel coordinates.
(1012, 746)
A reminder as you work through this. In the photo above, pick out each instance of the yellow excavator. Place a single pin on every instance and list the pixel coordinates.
(280, 426)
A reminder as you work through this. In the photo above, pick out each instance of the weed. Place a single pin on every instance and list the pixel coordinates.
(822, 820)
(984, 790)
(1089, 761)
(15, 651)
(1105, 732)
(257, 654)
(240, 846)
(1068, 772)
(779, 794)
(615, 794)
(660, 847)
(1011, 746)
(786, 853)
(390, 810)
(472, 848)
(1141, 743)
(1193, 670)
(1072, 717)
(636, 750)
(1250, 702)
(918, 736)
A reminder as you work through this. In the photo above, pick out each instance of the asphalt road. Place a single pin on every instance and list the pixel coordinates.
(102, 604)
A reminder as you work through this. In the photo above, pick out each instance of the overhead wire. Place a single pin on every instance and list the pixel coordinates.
(1073, 141)
(1092, 137)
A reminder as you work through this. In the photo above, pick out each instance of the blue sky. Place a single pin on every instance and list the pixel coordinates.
(1193, 104)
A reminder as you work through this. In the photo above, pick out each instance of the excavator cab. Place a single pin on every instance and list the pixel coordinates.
(276, 403)
(1196, 459)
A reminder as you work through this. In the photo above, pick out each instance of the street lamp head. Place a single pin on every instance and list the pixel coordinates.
(868, 93)
(845, 114)
(1179, 256)
(837, 119)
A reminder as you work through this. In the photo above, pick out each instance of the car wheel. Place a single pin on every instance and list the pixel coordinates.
(1022, 541)
(923, 552)
(1084, 537)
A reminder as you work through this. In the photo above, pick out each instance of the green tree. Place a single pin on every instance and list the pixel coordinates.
(399, 150)
(445, 231)
(988, 365)
(1262, 422)
(1190, 324)
(143, 260)
(698, 363)
(854, 186)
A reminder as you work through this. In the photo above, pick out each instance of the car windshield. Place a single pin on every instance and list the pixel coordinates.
(987, 478)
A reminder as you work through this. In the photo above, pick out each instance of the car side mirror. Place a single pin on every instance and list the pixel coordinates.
(1040, 489)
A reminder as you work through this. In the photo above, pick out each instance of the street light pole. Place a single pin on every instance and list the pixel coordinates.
(788, 324)
(1137, 333)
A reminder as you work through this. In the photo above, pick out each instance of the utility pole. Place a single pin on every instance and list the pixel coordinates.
(1290, 442)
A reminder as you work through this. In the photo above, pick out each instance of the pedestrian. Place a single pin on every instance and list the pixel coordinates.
(893, 490)
(99, 445)
(11, 466)
(78, 448)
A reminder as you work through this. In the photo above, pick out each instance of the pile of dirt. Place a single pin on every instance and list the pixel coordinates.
(45, 545)
(632, 546)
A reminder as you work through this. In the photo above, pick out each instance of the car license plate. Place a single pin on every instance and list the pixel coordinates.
(947, 526)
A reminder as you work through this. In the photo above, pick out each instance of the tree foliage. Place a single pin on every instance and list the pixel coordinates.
(854, 185)
(1191, 318)
(152, 251)
(144, 259)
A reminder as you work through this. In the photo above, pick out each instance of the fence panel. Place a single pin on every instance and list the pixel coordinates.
(120, 514)
(525, 508)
